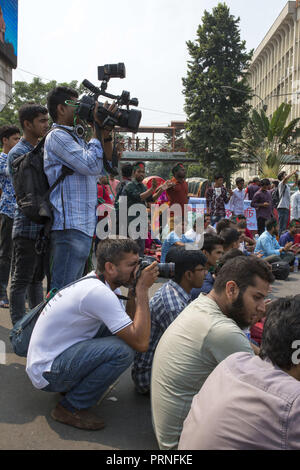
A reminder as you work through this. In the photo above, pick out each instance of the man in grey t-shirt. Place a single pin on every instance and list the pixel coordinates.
(205, 333)
(283, 207)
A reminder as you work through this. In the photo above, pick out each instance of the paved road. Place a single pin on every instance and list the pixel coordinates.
(25, 421)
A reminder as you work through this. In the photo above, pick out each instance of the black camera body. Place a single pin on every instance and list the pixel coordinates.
(166, 270)
(128, 119)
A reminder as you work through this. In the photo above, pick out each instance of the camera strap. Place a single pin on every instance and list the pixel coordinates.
(114, 169)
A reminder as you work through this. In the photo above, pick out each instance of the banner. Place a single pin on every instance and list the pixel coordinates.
(198, 206)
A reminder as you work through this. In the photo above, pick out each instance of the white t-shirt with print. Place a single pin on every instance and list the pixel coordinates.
(75, 314)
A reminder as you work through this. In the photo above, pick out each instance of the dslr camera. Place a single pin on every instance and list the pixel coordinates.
(126, 118)
(166, 270)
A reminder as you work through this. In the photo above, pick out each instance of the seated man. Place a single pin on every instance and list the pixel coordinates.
(259, 406)
(231, 239)
(167, 303)
(289, 235)
(83, 340)
(175, 238)
(247, 245)
(213, 250)
(203, 335)
(268, 245)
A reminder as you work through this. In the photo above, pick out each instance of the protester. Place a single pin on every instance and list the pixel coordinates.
(175, 238)
(84, 339)
(137, 194)
(262, 202)
(27, 271)
(246, 244)
(9, 137)
(204, 334)
(177, 193)
(126, 172)
(268, 245)
(236, 203)
(112, 184)
(223, 224)
(167, 303)
(74, 200)
(213, 250)
(295, 204)
(289, 235)
(231, 239)
(258, 393)
(252, 188)
(283, 207)
(216, 198)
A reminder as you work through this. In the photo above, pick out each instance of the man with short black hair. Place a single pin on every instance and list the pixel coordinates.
(216, 198)
(213, 250)
(260, 395)
(236, 203)
(268, 245)
(167, 303)
(27, 271)
(262, 202)
(231, 238)
(74, 200)
(204, 334)
(84, 339)
(9, 137)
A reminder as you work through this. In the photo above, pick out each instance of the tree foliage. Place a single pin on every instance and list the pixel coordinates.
(216, 115)
(34, 92)
(270, 143)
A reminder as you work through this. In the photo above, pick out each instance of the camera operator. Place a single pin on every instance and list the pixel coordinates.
(74, 200)
(84, 339)
(167, 303)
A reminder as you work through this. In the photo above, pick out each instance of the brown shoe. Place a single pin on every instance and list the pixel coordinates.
(82, 419)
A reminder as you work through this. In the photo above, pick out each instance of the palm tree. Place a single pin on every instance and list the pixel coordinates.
(270, 143)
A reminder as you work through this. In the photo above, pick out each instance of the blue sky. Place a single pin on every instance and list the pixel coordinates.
(66, 40)
(10, 13)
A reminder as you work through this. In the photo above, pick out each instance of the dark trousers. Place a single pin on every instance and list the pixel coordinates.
(5, 253)
(26, 277)
(261, 225)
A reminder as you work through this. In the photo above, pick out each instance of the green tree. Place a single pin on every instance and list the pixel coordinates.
(270, 143)
(34, 92)
(179, 144)
(216, 115)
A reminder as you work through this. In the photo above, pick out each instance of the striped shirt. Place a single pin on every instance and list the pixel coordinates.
(165, 306)
(74, 200)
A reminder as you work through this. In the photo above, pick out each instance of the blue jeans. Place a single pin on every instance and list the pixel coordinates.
(85, 370)
(70, 250)
(283, 215)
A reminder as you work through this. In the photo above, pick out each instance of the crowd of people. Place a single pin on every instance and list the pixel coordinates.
(210, 328)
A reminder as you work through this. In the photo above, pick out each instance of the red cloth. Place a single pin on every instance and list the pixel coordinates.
(257, 330)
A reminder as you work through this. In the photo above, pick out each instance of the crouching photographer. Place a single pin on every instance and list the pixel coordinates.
(84, 339)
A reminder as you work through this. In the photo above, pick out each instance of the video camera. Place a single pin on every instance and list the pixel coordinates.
(128, 119)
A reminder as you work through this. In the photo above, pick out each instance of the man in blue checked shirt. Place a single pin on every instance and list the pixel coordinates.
(27, 267)
(167, 303)
(9, 137)
(74, 200)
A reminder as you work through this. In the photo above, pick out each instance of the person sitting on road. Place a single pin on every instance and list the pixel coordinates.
(84, 339)
(231, 239)
(204, 334)
(213, 250)
(167, 303)
(261, 392)
(268, 245)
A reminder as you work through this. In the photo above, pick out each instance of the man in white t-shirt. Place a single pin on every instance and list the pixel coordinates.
(207, 331)
(84, 339)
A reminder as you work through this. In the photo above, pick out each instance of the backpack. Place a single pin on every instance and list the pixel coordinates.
(275, 197)
(31, 185)
(280, 270)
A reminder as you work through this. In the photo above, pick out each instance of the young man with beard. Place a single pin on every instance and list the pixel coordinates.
(84, 339)
(203, 335)
(268, 245)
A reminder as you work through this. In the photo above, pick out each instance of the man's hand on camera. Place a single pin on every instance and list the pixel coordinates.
(147, 278)
(112, 108)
